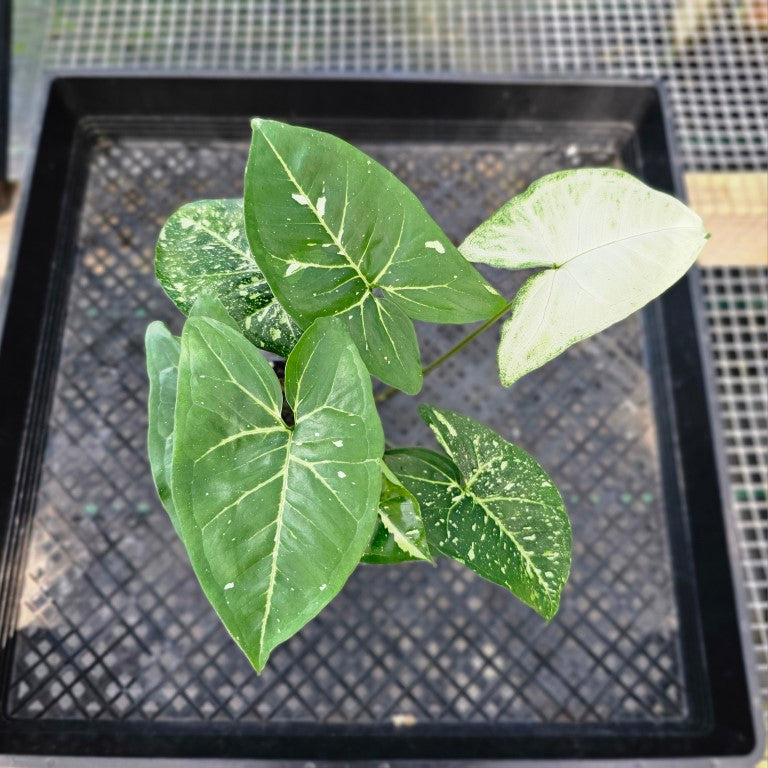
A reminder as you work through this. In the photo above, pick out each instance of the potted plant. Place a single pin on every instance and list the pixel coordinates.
(280, 486)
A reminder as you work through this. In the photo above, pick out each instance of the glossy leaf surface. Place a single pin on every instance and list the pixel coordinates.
(609, 245)
(335, 233)
(274, 519)
(203, 249)
(399, 534)
(491, 507)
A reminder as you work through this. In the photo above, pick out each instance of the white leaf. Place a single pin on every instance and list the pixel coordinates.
(610, 244)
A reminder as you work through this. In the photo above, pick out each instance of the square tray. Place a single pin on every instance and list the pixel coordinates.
(107, 646)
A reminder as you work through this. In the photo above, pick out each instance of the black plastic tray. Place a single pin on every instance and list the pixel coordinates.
(107, 646)
(5, 98)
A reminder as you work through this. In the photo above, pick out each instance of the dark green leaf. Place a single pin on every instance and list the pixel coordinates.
(274, 519)
(335, 233)
(379, 325)
(496, 510)
(203, 249)
(399, 534)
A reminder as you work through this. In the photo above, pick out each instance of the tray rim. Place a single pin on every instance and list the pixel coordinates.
(75, 79)
(54, 79)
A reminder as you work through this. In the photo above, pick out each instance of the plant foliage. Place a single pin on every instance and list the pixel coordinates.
(606, 245)
(335, 233)
(328, 261)
(202, 249)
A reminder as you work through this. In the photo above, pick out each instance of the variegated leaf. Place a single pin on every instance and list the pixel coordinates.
(203, 249)
(491, 507)
(609, 245)
(399, 534)
(335, 233)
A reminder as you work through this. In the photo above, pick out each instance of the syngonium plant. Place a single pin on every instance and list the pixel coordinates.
(279, 490)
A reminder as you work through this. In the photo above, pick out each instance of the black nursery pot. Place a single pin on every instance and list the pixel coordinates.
(108, 646)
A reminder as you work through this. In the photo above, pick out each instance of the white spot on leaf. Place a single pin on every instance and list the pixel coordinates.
(293, 266)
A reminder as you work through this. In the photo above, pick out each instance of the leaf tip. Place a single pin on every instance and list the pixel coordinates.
(506, 379)
(549, 613)
(549, 610)
(414, 387)
(426, 412)
(154, 328)
(157, 334)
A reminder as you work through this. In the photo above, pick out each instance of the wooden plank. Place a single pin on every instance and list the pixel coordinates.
(7, 219)
(734, 207)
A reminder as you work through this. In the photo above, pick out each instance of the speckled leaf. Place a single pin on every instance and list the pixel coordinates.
(399, 534)
(274, 519)
(203, 248)
(162, 368)
(610, 244)
(336, 233)
(495, 510)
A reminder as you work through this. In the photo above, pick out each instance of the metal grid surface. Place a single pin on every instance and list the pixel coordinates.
(713, 55)
(736, 301)
(714, 60)
(112, 623)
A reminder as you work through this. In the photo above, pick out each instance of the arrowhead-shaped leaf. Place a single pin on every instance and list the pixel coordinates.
(203, 249)
(495, 509)
(399, 534)
(335, 233)
(610, 244)
(274, 519)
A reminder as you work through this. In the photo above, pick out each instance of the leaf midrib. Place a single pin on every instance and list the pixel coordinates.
(247, 255)
(321, 219)
(276, 547)
(401, 540)
(467, 491)
(509, 534)
(611, 243)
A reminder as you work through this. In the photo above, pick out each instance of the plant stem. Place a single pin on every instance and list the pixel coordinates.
(468, 339)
